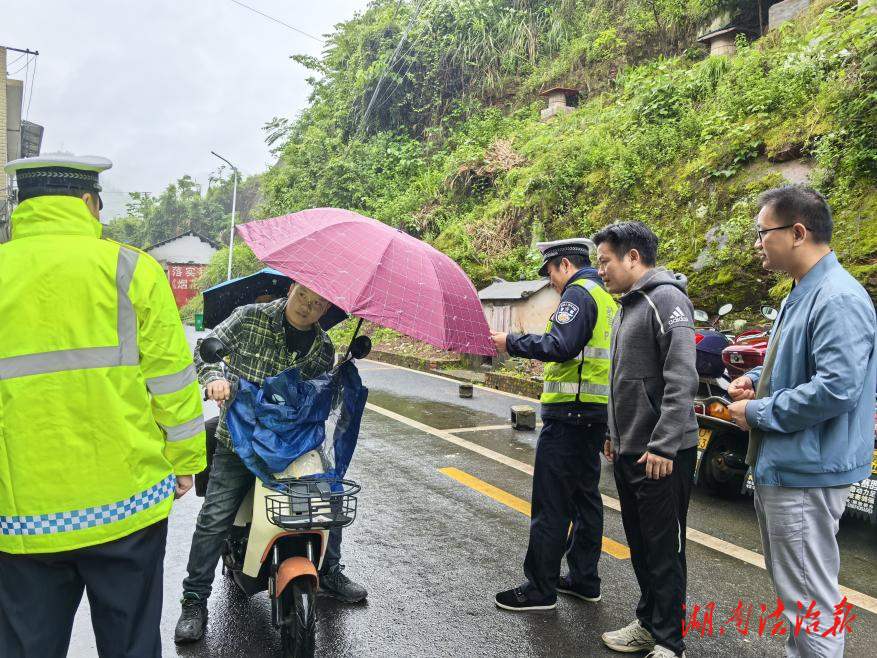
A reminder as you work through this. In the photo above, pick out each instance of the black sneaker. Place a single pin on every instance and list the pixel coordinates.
(564, 586)
(517, 601)
(339, 586)
(193, 619)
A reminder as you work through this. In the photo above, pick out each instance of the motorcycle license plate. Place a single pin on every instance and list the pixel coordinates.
(703, 438)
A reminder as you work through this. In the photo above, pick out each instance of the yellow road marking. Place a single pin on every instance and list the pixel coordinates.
(610, 546)
(857, 598)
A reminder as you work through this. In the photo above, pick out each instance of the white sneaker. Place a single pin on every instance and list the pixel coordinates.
(633, 638)
(664, 652)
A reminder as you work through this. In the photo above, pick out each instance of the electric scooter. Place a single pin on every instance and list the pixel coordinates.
(279, 536)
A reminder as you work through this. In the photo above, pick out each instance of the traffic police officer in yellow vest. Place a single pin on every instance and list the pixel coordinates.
(575, 349)
(100, 420)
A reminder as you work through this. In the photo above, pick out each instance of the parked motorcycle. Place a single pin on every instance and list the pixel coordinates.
(749, 348)
(721, 451)
(721, 447)
(703, 317)
(280, 532)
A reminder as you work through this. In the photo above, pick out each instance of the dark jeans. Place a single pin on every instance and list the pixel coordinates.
(40, 593)
(654, 514)
(566, 490)
(230, 481)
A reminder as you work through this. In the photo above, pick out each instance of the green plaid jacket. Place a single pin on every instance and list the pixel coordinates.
(257, 339)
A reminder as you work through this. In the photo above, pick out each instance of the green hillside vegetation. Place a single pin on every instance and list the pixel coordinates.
(447, 143)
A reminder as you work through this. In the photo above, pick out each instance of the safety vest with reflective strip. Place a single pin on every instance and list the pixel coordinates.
(99, 403)
(584, 378)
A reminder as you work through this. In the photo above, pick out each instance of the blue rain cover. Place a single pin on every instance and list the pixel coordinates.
(274, 425)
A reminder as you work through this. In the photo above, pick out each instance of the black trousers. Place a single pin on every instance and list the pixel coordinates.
(654, 514)
(566, 480)
(39, 595)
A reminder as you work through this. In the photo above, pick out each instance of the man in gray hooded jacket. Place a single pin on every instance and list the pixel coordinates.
(653, 430)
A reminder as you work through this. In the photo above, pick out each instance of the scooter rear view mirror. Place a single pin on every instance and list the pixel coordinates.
(212, 350)
(724, 310)
(360, 347)
(701, 316)
(769, 312)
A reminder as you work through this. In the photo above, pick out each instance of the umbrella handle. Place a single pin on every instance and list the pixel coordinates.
(350, 343)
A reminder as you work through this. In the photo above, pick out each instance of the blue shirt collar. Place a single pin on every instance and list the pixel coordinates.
(814, 276)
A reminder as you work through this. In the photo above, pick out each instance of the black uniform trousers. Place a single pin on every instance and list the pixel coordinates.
(566, 480)
(39, 595)
(654, 514)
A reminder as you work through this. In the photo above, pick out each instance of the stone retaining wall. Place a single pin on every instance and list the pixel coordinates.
(508, 383)
(413, 362)
(512, 384)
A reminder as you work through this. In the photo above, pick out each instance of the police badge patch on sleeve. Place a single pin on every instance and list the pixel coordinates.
(566, 312)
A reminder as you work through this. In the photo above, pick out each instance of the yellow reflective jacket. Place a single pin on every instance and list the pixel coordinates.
(99, 404)
(585, 377)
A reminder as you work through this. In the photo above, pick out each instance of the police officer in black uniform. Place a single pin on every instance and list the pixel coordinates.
(575, 349)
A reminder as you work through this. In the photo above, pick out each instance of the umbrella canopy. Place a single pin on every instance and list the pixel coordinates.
(223, 298)
(376, 273)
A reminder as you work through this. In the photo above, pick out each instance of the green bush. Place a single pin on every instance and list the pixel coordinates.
(662, 134)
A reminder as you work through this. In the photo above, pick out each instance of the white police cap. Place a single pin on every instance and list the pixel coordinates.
(568, 247)
(59, 173)
(89, 163)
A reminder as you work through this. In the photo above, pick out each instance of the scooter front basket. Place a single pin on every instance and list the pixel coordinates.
(307, 503)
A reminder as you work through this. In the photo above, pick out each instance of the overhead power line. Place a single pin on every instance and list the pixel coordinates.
(17, 59)
(33, 81)
(23, 66)
(277, 20)
(390, 64)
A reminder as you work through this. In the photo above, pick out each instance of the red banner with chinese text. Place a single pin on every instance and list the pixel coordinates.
(182, 278)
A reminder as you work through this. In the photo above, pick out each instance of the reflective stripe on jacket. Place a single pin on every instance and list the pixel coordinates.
(584, 378)
(99, 404)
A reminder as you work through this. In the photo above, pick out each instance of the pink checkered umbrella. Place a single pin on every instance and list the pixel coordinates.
(376, 273)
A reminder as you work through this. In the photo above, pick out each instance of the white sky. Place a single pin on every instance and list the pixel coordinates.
(155, 85)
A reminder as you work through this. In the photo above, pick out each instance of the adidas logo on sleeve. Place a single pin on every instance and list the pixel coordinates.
(677, 316)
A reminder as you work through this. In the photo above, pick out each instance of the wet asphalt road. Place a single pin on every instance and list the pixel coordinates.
(433, 552)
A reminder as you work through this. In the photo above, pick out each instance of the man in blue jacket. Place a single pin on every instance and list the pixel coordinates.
(566, 477)
(810, 412)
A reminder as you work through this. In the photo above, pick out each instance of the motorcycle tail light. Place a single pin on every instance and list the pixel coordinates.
(718, 410)
(742, 357)
(699, 408)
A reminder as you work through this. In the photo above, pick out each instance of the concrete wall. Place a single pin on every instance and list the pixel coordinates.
(785, 11)
(551, 110)
(526, 316)
(531, 315)
(14, 110)
(724, 44)
(187, 249)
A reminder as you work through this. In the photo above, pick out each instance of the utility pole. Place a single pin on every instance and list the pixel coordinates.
(234, 197)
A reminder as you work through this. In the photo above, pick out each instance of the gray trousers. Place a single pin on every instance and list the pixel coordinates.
(798, 533)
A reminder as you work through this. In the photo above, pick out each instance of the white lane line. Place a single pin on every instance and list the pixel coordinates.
(859, 599)
(455, 381)
(483, 428)
(456, 440)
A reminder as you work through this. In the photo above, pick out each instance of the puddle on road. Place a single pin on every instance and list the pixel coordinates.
(440, 415)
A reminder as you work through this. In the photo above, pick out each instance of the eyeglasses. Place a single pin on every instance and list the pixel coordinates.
(312, 302)
(761, 231)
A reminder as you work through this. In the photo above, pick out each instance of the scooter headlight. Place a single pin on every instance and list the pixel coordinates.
(718, 410)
